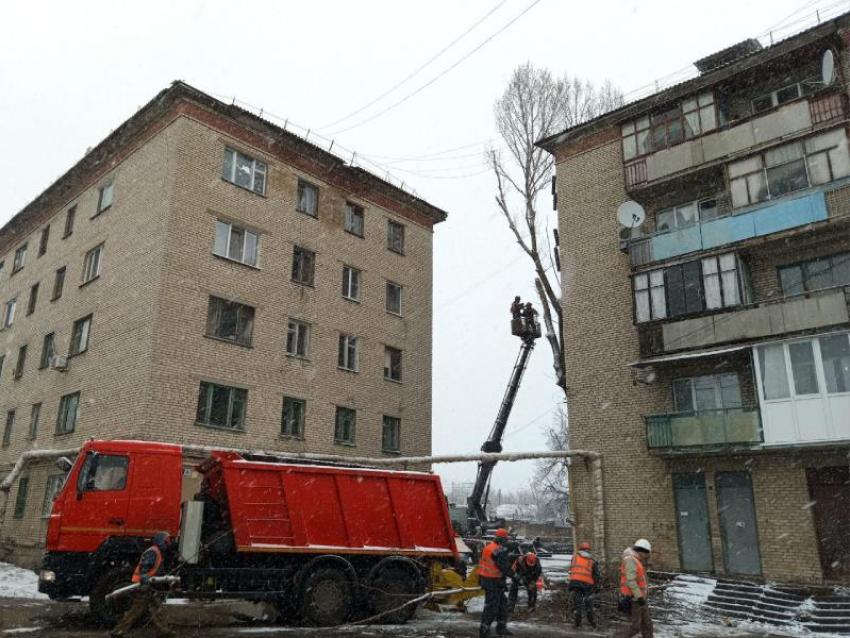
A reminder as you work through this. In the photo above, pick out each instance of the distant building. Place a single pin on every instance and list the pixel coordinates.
(708, 352)
(204, 276)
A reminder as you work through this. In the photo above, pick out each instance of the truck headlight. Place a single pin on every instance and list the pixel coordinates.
(47, 576)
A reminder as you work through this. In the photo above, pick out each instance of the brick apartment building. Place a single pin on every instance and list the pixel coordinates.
(205, 276)
(708, 352)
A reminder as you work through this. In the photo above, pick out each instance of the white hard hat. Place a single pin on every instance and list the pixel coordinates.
(642, 543)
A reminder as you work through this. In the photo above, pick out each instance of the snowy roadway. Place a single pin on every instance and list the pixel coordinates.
(26, 613)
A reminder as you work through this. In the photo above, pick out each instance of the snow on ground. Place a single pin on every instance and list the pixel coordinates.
(556, 568)
(18, 583)
(689, 590)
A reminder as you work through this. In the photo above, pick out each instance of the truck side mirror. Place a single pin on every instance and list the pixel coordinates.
(64, 464)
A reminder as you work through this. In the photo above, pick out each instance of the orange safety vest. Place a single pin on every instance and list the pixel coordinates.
(641, 578)
(581, 569)
(137, 575)
(487, 566)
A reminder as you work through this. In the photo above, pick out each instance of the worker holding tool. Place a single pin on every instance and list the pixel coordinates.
(145, 599)
(493, 570)
(527, 569)
(584, 582)
(633, 591)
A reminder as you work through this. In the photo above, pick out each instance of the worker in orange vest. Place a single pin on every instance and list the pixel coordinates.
(527, 570)
(493, 570)
(145, 600)
(584, 582)
(633, 591)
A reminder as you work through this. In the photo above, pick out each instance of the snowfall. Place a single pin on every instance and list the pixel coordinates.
(684, 597)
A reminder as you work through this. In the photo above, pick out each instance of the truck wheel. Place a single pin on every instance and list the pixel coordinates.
(109, 612)
(327, 597)
(389, 590)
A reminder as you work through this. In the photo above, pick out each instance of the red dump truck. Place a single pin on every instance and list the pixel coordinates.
(322, 543)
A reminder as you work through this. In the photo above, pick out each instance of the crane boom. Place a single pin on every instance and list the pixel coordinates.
(528, 330)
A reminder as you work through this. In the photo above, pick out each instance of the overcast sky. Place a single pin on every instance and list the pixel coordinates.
(70, 72)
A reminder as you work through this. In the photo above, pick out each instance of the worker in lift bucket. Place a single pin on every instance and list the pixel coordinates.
(633, 591)
(493, 571)
(516, 308)
(146, 601)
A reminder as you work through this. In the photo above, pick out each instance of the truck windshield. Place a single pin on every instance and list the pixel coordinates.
(103, 472)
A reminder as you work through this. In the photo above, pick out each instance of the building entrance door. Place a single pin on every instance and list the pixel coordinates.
(735, 505)
(829, 489)
(692, 516)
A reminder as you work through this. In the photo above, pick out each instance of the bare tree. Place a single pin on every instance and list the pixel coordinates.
(535, 105)
(550, 475)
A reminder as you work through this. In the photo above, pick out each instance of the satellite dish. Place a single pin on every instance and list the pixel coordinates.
(631, 214)
(827, 67)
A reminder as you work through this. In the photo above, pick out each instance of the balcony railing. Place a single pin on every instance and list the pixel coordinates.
(698, 431)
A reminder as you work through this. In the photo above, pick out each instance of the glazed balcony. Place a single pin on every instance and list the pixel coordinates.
(703, 431)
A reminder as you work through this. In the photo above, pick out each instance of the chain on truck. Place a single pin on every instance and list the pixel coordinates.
(322, 543)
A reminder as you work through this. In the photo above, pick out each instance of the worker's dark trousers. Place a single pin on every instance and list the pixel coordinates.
(530, 588)
(639, 622)
(581, 595)
(495, 605)
(145, 601)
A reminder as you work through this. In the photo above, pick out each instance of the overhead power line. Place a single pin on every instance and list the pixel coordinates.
(416, 72)
(430, 82)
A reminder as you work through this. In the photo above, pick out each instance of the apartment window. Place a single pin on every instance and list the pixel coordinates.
(790, 167)
(45, 237)
(80, 336)
(650, 302)
(9, 313)
(33, 299)
(59, 283)
(347, 359)
(395, 237)
(393, 301)
(21, 363)
(69, 408)
(230, 320)
(835, 353)
(783, 95)
(720, 281)
(2, 361)
(292, 417)
(308, 198)
(51, 491)
(104, 197)
(221, 406)
(699, 115)
(344, 428)
(69, 222)
(244, 171)
(635, 138)
(823, 272)
(238, 244)
(354, 219)
(391, 435)
(298, 338)
(350, 283)
(686, 215)
(35, 417)
(48, 349)
(20, 259)
(303, 262)
(805, 360)
(684, 288)
(7, 429)
(392, 364)
(690, 118)
(707, 393)
(21, 498)
(91, 264)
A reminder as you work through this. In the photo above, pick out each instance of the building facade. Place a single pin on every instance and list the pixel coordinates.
(203, 276)
(708, 347)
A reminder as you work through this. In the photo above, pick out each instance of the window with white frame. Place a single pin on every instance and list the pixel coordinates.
(347, 358)
(689, 118)
(221, 406)
(789, 167)
(20, 259)
(308, 198)
(104, 197)
(292, 417)
(785, 94)
(817, 366)
(298, 338)
(91, 264)
(393, 301)
(707, 393)
(650, 302)
(80, 334)
(238, 244)
(686, 215)
(354, 219)
(69, 407)
(720, 281)
(9, 312)
(351, 283)
(244, 171)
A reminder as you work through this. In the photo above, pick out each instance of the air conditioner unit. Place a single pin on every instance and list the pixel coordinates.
(626, 235)
(59, 362)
